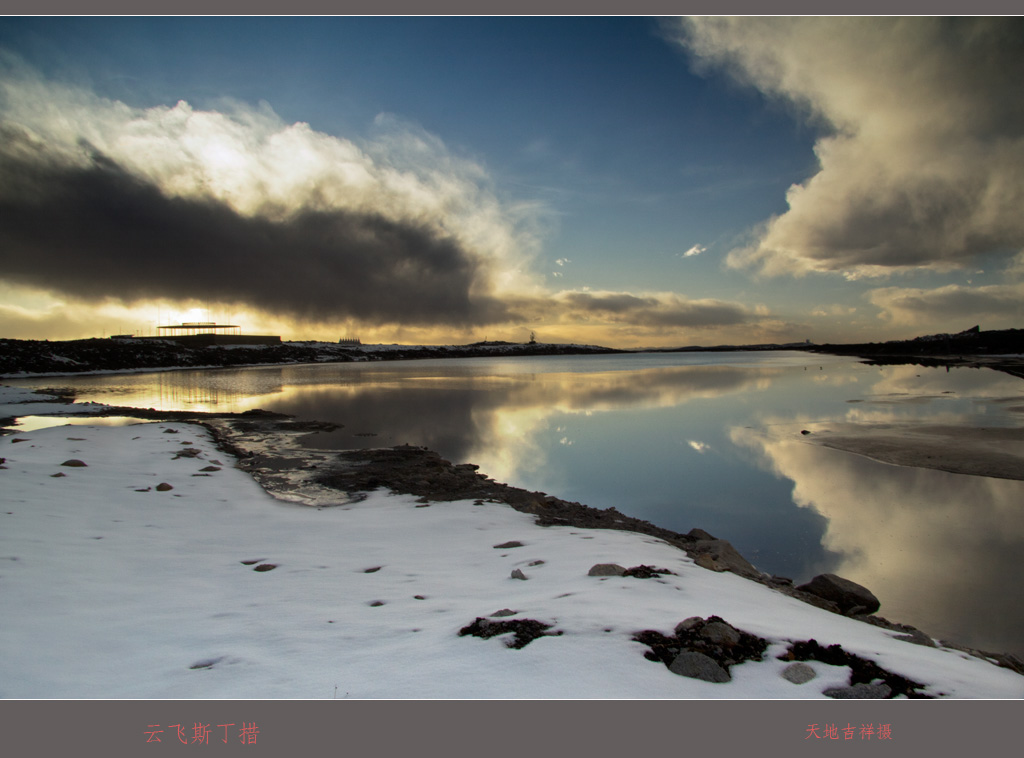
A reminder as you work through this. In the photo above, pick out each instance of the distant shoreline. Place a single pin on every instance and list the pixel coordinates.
(1001, 350)
(29, 358)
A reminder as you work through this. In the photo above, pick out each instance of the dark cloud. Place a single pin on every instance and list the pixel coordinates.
(610, 303)
(101, 201)
(657, 311)
(87, 227)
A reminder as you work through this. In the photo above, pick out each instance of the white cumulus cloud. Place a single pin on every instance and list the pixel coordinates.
(921, 153)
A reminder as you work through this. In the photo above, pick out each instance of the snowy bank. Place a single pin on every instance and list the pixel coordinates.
(160, 570)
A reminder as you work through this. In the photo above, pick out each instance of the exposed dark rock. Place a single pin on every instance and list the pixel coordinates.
(504, 612)
(525, 630)
(1003, 660)
(862, 671)
(163, 487)
(720, 633)
(699, 666)
(720, 555)
(606, 569)
(266, 567)
(798, 673)
(1008, 661)
(712, 637)
(917, 637)
(73, 463)
(646, 572)
(860, 692)
(518, 574)
(687, 624)
(884, 623)
(851, 598)
(512, 543)
(708, 562)
(806, 597)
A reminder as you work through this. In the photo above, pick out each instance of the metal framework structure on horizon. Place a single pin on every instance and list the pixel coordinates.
(188, 328)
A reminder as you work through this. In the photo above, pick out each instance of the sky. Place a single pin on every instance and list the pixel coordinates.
(624, 181)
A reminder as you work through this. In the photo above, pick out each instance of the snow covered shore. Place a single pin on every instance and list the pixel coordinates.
(160, 570)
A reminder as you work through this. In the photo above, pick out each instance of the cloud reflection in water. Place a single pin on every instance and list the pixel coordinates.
(943, 548)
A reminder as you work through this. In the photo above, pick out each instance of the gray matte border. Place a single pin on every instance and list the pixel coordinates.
(518, 7)
(496, 729)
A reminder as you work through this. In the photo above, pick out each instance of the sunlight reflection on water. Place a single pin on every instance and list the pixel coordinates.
(32, 423)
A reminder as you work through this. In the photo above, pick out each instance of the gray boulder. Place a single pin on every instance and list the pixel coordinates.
(720, 555)
(798, 673)
(607, 569)
(699, 666)
(850, 597)
(687, 624)
(720, 633)
(859, 692)
(917, 637)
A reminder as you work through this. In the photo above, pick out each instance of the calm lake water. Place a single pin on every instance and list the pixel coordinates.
(709, 440)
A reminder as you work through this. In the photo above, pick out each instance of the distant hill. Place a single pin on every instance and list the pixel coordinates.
(971, 342)
(21, 357)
